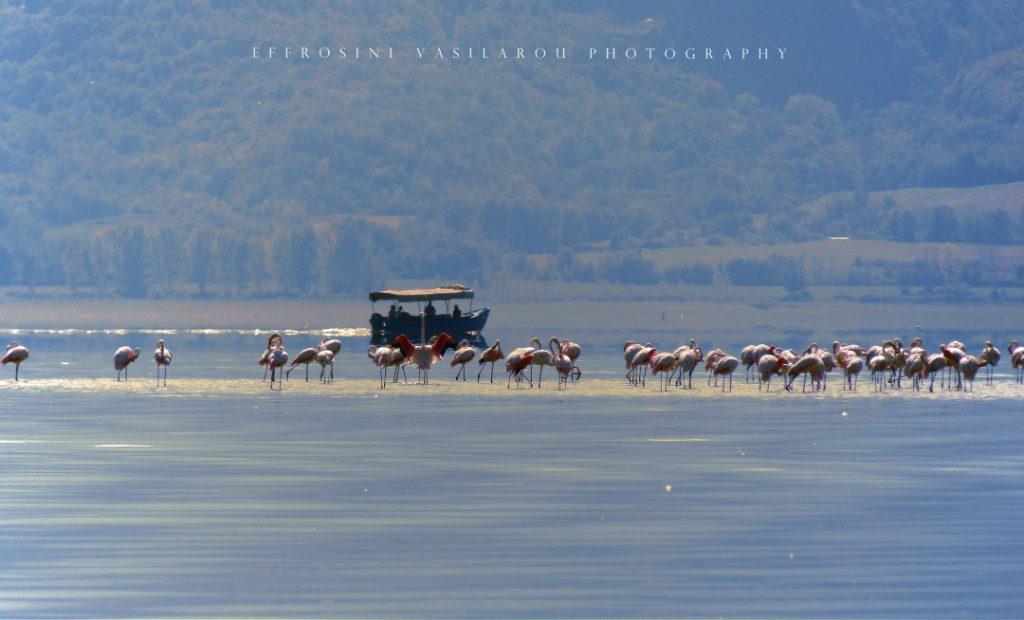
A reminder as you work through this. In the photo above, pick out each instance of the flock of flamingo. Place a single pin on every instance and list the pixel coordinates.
(888, 363)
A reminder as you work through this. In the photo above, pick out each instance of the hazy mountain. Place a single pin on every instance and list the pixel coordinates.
(143, 149)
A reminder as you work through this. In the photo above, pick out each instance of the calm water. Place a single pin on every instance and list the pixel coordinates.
(216, 497)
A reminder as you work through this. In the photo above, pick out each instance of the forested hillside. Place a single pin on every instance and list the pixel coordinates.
(143, 151)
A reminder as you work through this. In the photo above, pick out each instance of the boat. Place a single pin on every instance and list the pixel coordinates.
(427, 320)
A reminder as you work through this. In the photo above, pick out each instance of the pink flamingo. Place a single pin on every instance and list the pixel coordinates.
(15, 354)
(663, 363)
(767, 367)
(123, 357)
(686, 363)
(306, 357)
(564, 366)
(640, 361)
(851, 363)
(462, 356)
(333, 345)
(541, 357)
(265, 358)
(277, 359)
(969, 367)
(725, 367)
(382, 359)
(713, 358)
(425, 355)
(933, 364)
(162, 356)
(516, 362)
(490, 355)
(572, 351)
(808, 364)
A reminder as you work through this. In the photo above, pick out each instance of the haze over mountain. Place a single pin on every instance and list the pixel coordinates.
(144, 151)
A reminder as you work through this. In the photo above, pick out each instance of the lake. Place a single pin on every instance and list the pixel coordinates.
(217, 497)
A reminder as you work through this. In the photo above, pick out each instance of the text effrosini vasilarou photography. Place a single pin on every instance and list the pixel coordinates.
(673, 309)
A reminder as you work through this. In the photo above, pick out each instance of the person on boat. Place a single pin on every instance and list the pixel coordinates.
(430, 310)
(456, 312)
(402, 313)
(393, 311)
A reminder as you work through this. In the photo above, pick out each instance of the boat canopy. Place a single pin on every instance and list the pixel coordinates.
(424, 294)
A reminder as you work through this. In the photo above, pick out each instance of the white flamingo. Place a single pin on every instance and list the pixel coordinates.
(990, 355)
(162, 356)
(15, 354)
(326, 360)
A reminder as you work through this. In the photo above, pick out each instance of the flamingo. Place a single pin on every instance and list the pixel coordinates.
(462, 356)
(326, 360)
(333, 345)
(713, 358)
(747, 358)
(894, 349)
(564, 366)
(265, 358)
(687, 362)
(767, 367)
(516, 362)
(969, 366)
(572, 351)
(933, 364)
(725, 367)
(629, 351)
(806, 365)
(1016, 359)
(381, 357)
(915, 366)
(851, 363)
(989, 355)
(541, 357)
(162, 356)
(879, 362)
(953, 355)
(15, 354)
(424, 355)
(663, 363)
(305, 357)
(856, 349)
(403, 352)
(277, 358)
(123, 357)
(640, 361)
(679, 352)
(828, 360)
(490, 355)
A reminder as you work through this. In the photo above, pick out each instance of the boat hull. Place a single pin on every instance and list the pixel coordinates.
(383, 328)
